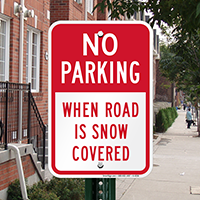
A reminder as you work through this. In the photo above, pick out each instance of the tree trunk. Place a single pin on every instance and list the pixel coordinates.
(198, 122)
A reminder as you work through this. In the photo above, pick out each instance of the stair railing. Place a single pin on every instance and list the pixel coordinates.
(40, 121)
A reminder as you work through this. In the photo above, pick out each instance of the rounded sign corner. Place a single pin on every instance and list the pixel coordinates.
(147, 171)
(146, 25)
(54, 172)
(55, 24)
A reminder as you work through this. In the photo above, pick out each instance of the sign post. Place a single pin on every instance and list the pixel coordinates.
(100, 99)
(100, 188)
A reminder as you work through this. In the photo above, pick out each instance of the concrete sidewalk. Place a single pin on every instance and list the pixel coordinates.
(176, 168)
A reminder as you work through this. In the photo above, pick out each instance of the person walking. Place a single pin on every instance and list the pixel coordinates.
(189, 118)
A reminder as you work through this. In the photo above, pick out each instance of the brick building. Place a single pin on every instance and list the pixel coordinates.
(35, 47)
(75, 10)
(71, 10)
(163, 88)
(23, 59)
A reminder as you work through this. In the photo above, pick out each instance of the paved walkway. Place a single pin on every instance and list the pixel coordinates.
(176, 168)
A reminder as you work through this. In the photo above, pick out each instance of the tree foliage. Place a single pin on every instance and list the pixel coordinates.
(180, 63)
(184, 13)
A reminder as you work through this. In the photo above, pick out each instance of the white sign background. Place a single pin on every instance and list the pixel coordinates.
(65, 131)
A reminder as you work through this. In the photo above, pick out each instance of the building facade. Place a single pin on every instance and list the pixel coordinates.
(72, 10)
(23, 59)
(34, 68)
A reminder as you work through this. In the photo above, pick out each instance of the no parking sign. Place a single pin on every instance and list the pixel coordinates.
(100, 99)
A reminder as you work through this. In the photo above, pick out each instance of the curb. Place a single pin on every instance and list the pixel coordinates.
(159, 136)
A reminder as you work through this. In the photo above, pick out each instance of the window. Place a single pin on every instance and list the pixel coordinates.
(33, 58)
(4, 47)
(78, 1)
(90, 6)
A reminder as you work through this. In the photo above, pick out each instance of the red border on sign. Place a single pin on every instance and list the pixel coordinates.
(144, 88)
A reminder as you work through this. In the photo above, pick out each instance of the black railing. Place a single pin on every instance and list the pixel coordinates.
(33, 128)
(36, 118)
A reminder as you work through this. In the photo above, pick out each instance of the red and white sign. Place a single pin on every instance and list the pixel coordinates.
(100, 99)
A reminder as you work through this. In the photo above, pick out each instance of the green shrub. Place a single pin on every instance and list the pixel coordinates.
(175, 112)
(165, 118)
(172, 114)
(161, 121)
(55, 189)
(68, 188)
(14, 191)
(169, 116)
(40, 194)
(39, 191)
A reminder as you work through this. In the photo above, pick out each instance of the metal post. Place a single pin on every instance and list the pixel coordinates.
(112, 193)
(88, 188)
(6, 117)
(29, 114)
(100, 189)
(20, 116)
(172, 93)
(85, 11)
(21, 49)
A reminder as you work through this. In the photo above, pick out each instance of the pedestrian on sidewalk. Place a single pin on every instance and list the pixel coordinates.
(189, 118)
(184, 106)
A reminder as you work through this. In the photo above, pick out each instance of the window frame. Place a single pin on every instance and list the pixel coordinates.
(29, 66)
(6, 19)
(90, 6)
(78, 1)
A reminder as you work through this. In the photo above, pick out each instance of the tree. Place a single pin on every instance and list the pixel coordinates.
(180, 63)
(185, 14)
